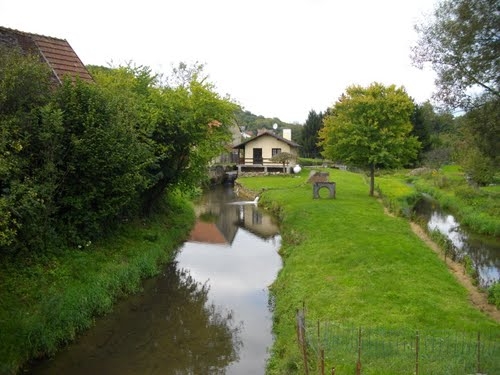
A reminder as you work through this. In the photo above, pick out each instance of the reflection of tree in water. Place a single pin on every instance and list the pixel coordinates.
(169, 328)
(196, 337)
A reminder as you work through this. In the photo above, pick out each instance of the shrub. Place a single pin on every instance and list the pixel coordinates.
(494, 294)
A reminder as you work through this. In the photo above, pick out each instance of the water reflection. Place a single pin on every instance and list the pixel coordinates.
(207, 313)
(483, 251)
(169, 328)
(238, 269)
(220, 214)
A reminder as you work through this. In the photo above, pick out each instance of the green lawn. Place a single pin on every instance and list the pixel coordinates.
(352, 264)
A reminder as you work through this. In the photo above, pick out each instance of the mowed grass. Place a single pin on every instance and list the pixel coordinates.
(351, 263)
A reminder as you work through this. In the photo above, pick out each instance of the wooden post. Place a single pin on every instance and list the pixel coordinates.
(479, 352)
(297, 326)
(301, 337)
(358, 364)
(304, 345)
(322, 361)
(417, 342)
(320, 351)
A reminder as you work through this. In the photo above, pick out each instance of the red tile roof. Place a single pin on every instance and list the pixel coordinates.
(57, 53)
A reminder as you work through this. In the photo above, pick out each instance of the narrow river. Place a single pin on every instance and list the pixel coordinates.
(207, 313)
(484, 251)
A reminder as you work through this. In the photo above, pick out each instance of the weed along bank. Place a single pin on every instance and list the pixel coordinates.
(207, 311)
(363, 279)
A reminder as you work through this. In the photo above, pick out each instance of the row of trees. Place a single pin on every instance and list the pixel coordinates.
(79, 158)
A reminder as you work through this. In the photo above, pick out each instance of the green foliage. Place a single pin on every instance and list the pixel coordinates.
(494, 294)
(478, 167)
(369, 128)
(78, 159)
(29, 129)
(477, 208)
(101, 172)
(311, 161)
(191, 127)
(310, 135)
(284, 158)
(48, 300)
(460, 41)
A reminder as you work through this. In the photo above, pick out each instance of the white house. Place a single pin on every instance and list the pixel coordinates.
(255, 153)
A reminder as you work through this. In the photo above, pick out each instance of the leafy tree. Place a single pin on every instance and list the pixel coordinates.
(191, 127)
(477, 143)
(462, 44)
(422, 128)
(284, 158)
(481, 126)
(370, 128)
(310, 138)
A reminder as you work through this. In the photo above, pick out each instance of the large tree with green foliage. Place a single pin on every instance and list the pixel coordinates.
(190, 128)
(370, 127)
(436, 132)
(461, 42)
(310, 138)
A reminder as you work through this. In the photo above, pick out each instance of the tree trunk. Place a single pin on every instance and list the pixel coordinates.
(372, 180)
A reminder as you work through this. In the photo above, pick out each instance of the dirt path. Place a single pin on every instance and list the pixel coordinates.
(479, 299)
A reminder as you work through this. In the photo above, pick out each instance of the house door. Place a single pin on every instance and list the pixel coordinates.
(257, 156)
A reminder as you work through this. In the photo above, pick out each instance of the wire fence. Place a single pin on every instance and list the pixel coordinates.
(332, 348)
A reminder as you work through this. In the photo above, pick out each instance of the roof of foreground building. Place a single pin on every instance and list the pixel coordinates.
(57, 53)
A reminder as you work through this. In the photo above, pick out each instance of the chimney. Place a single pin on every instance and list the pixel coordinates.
(287, 134)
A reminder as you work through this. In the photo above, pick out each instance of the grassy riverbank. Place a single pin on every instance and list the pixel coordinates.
(45, 301)
(352, 264)
(478, 208)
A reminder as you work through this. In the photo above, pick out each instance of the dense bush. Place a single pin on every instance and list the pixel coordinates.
(79, 158)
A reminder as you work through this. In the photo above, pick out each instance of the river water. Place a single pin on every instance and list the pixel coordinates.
(207, 313)
(483, 251)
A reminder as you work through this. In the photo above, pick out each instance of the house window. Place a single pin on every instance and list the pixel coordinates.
(275, 151)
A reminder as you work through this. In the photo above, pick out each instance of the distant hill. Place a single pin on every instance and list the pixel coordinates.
(249, 122)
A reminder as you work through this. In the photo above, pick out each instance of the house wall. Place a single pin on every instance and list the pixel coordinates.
(267, 143)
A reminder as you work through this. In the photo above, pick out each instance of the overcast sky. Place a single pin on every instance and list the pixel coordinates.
(276, 58)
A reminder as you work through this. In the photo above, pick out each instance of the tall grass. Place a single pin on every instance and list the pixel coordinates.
(45, 302)
(353, 264)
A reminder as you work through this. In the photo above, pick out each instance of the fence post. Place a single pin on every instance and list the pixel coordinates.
(358, 364)
(417, 347)
(297, 326)
(301, 336)
(322, 361)
(479, 352)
